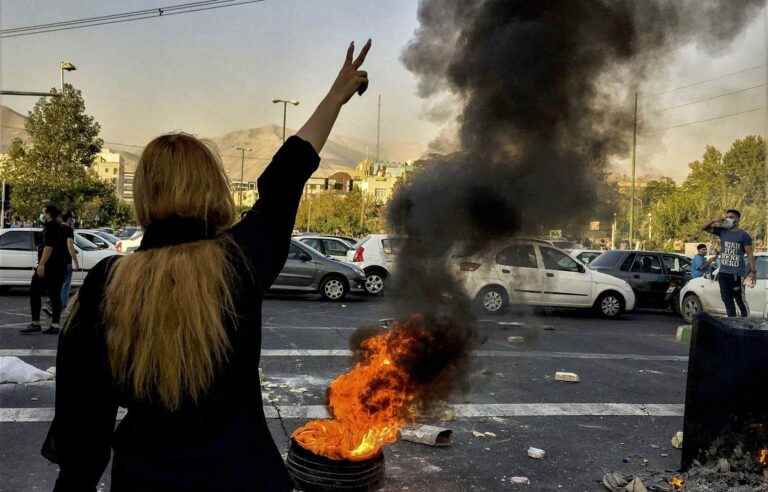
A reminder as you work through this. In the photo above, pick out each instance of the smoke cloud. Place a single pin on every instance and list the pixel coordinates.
(545, 90)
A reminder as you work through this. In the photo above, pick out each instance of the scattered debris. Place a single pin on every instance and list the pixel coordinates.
(636, 485)
(649, 371)
(683, 333)
(427, 434)
(615, 481)
(664, 455)
(536, 453)
(431, 469)
(520, 480)
(677, 440)
(511, 323)
(387, 322)
(483, 435)
(343, 305)
(515, 339)
(15, 370)
(723, 465)
(569, 377)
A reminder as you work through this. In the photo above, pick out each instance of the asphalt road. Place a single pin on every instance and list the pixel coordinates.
(621, 415)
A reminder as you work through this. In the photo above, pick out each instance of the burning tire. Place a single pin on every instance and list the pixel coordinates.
(492, 300)
(314, 473)
(691, 307)
(333, 288)
(374, 281)
(610, 305)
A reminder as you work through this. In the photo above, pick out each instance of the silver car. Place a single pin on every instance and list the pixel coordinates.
(309, 271)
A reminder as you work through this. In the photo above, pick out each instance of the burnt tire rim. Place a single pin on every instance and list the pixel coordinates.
(334, 289)
(374, 283)
(493, 301)
(691, 307)
(610, 306)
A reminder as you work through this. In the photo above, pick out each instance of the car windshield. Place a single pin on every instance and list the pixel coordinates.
(84, 244)
(607, 259)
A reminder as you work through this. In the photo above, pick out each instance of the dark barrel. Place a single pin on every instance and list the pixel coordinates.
(314, 473)
(726, 398)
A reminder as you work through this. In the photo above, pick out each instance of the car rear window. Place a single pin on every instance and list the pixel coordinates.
(607, 259)
(762, 267)
(391, 246)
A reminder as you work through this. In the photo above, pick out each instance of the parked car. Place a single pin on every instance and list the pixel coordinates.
(585, 256)
(310, 271)
(376, 254)
(128, 232)
(703, 294)
(330, 246)
(102, 239)
(18, 256)
(656, 277)
(534, 273)
(130, 244)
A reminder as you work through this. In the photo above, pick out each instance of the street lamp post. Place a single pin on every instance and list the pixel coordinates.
(69, 67)
(285, 103)
(243, 150)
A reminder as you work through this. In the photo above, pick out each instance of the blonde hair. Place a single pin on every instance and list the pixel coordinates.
(165, 308)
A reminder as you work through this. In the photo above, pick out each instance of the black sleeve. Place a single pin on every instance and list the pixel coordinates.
(264, 234)
(80, 436)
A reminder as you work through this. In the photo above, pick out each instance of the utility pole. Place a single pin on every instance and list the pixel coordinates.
(378, 133)
(634, 163)
(2, 208)
(285, 103)
(243, 150)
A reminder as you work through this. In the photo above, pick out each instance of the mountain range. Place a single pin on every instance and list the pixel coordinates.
(340, 152)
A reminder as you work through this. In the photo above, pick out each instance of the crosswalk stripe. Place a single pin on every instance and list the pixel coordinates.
(532, 354)
(22, 415)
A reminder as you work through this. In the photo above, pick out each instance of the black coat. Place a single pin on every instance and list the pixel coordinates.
(221, 443)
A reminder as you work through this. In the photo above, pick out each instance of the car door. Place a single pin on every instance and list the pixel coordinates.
(336, 249)
(649, 280)
(299, 270)
(758, 295)
(566, 283)
(517, 269)
(18, 257)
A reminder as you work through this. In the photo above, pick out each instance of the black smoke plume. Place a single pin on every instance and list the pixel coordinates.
(545, 92)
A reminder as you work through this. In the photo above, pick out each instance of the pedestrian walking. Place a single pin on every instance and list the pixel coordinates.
(172, 332)
(701, 264)
(48, 277)
(736, 271)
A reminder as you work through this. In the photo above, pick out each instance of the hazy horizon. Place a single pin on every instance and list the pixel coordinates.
(214, 72)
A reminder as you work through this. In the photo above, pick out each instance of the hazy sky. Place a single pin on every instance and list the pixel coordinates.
(217, 71)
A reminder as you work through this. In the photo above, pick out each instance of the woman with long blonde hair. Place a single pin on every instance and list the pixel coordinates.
(172, 333)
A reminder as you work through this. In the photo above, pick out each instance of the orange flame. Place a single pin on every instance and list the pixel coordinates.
(677, 482)
(762, 456)
(369, 403)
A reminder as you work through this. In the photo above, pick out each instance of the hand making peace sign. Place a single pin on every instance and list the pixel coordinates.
(350, 78)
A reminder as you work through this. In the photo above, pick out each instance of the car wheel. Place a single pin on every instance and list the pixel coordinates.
(691, 307)
(493, 300)
(374, 282)
(333, 289)
(610, 305)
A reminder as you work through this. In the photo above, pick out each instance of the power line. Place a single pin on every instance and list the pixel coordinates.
(123, 17)
(706, 120)
(694, 84)
(697, 101)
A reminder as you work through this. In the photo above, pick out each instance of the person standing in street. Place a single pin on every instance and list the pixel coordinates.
(701, 265)
(172, 332)
(49, 274)
(68, 225)
(736, 272)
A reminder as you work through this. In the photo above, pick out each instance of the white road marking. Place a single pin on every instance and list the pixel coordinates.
(17, 415)
(533, 354)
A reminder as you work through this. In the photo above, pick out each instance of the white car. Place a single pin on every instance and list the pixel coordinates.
(702, 294)
(102, 239)
(18, 256)
(535, 273)
(376, 255)
(585, 256)
(131, 244)
(329, 246)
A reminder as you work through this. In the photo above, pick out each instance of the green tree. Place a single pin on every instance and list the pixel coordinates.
(53, 167)
(344, 213)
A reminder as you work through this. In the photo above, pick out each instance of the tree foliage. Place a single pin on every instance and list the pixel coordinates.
(340, 213)
(54, 167)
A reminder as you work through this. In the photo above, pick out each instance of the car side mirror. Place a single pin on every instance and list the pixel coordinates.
(305, 257)
(581, 268)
